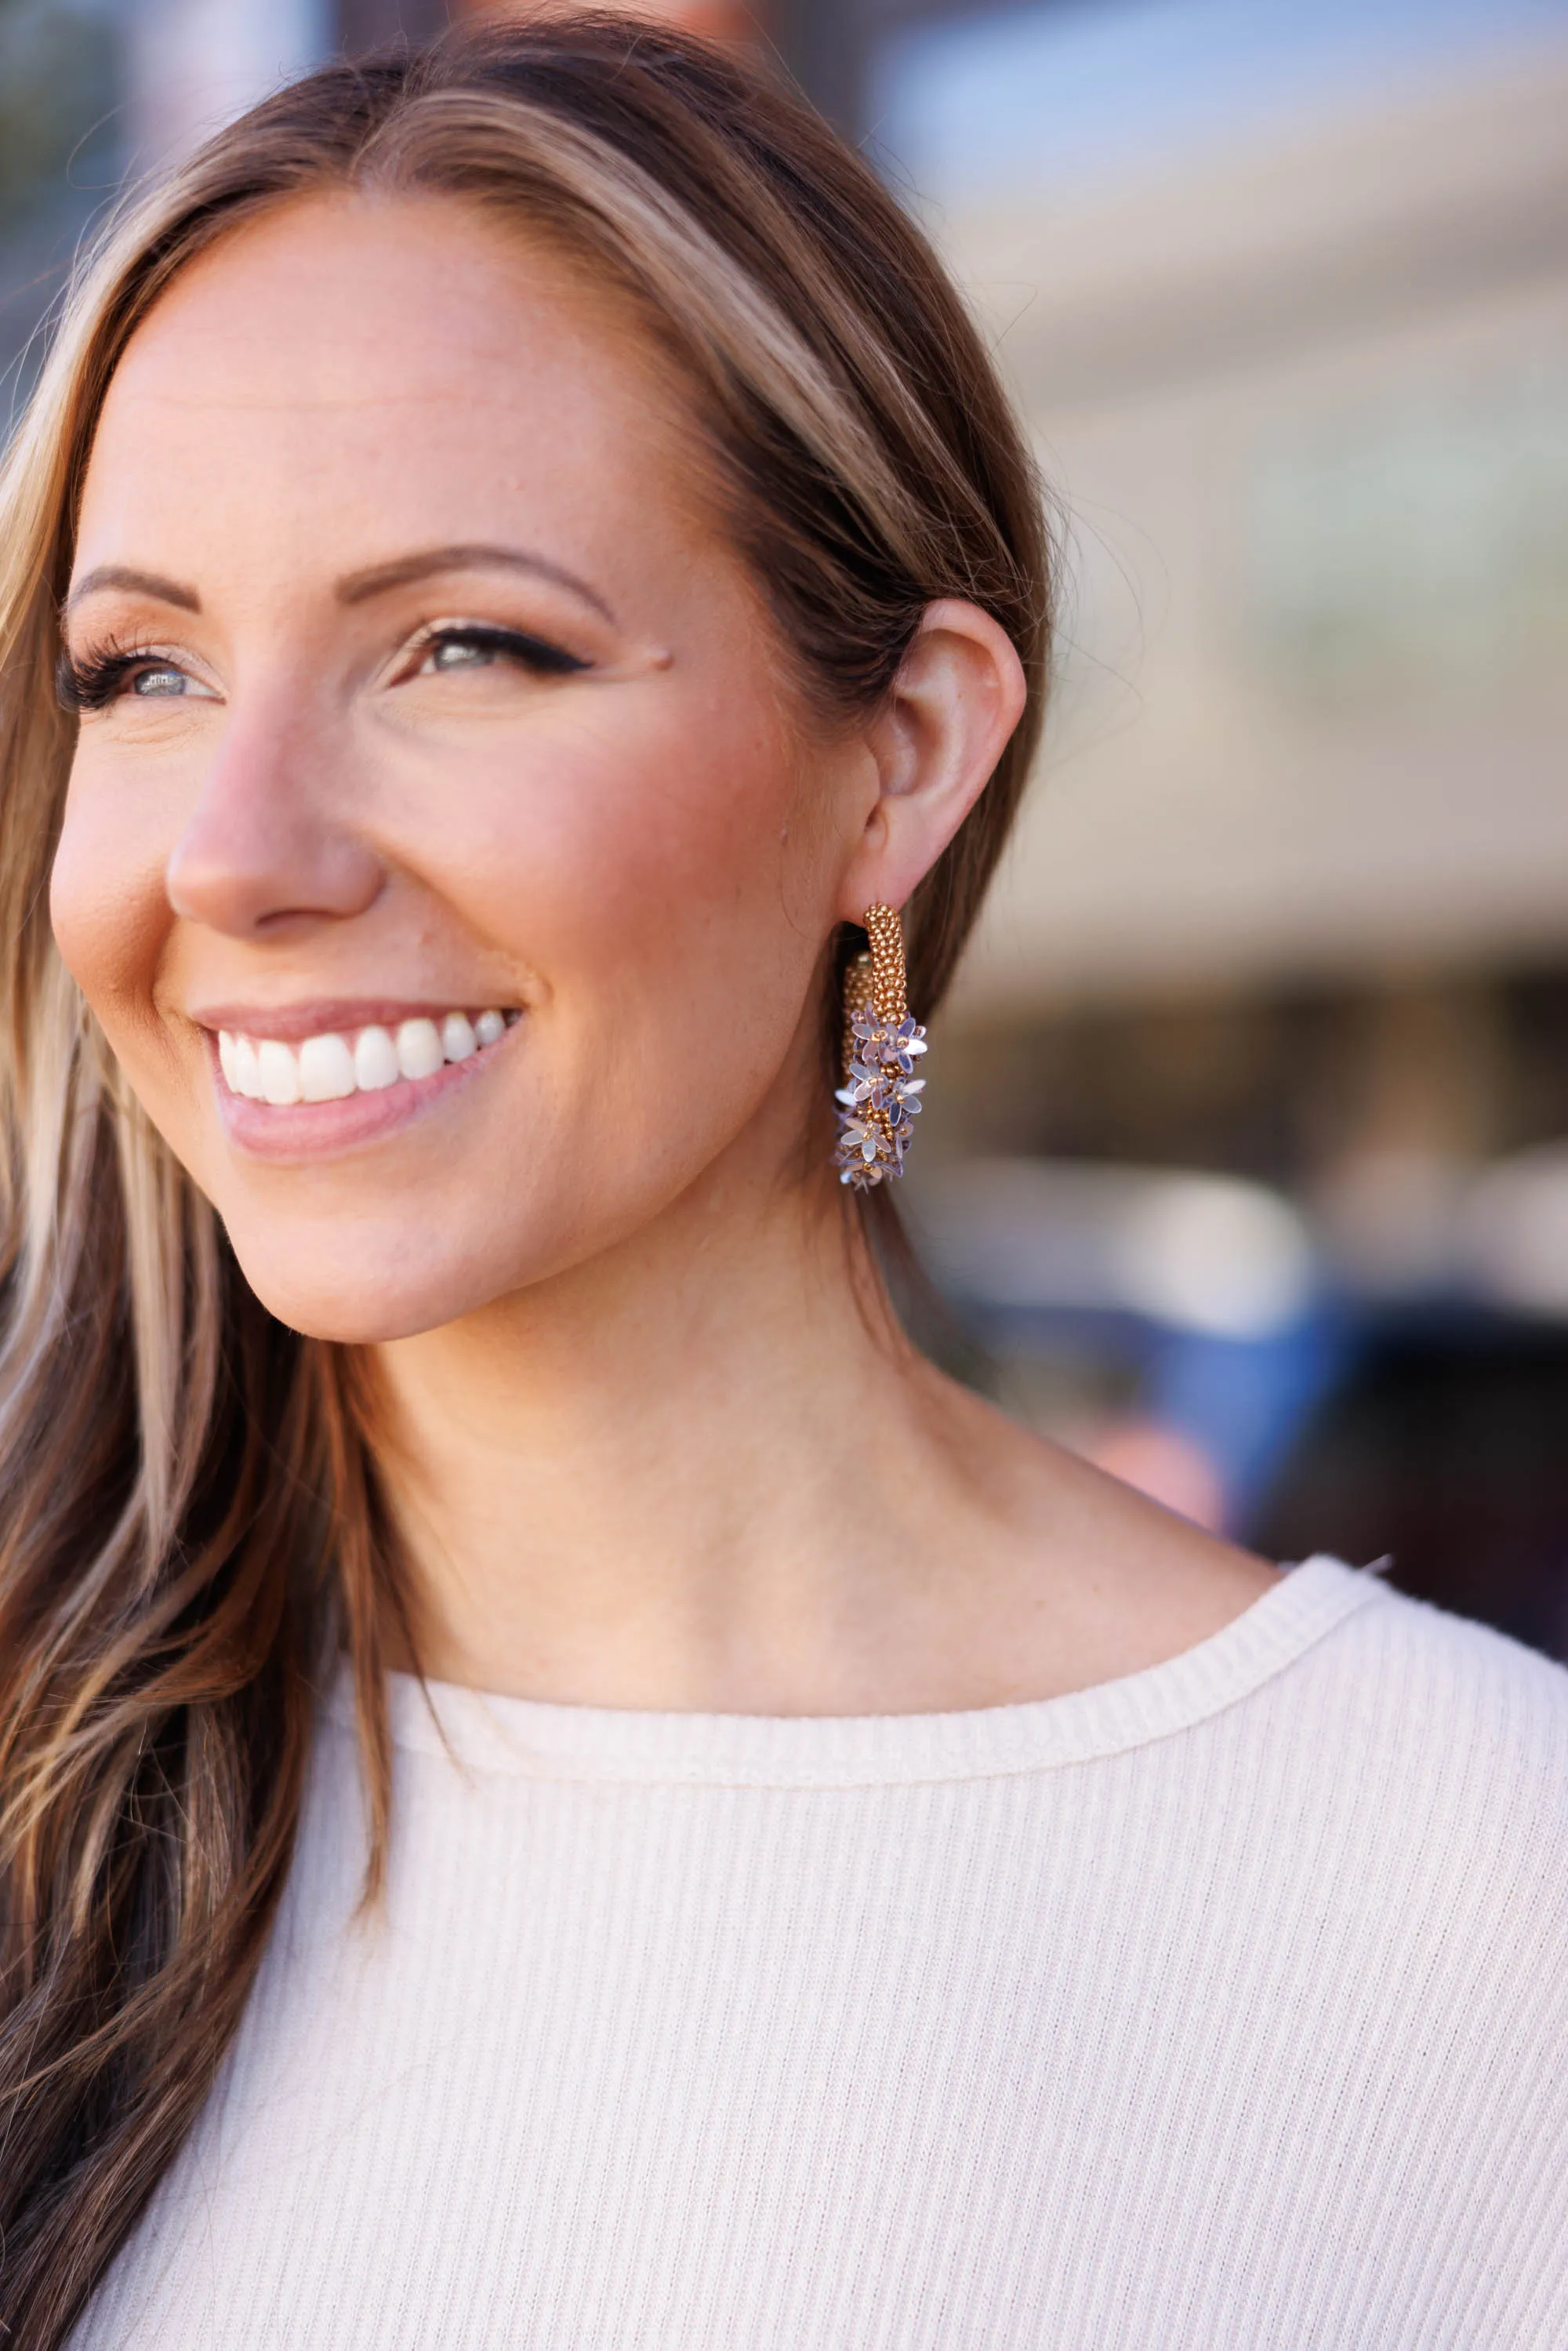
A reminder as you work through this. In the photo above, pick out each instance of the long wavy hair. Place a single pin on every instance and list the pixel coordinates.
(191, 1529)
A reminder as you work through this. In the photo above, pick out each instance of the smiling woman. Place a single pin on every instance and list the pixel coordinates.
(560, 1785)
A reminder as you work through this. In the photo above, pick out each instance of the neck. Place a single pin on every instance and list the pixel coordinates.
(681, 1475)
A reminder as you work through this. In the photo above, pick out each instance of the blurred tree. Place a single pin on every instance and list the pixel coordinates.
(57, 92)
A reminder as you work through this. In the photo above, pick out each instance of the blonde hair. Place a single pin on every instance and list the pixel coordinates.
(189, 1526)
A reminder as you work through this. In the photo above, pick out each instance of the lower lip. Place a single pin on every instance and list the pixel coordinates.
(298, 1131)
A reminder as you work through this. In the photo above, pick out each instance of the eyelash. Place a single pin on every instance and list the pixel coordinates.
(93, 683)
(528, 652)
(100, 677)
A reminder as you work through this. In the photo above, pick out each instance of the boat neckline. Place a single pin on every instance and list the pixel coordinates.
(487, 1733)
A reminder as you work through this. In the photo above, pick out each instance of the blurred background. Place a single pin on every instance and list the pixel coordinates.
(1246, 1168)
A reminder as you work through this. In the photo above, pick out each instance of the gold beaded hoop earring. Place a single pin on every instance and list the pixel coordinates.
(880, 1094)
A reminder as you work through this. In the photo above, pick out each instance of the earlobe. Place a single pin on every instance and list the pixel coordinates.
(945, 723)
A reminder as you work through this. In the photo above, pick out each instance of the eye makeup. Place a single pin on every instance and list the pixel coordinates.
(477, 643)
(102, 675)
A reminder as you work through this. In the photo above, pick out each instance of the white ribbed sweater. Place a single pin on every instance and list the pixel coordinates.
(1222, 2008)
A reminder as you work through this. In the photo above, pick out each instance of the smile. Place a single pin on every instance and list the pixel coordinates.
(339, 1063)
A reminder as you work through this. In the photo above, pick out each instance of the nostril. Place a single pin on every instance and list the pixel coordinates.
(257, 879)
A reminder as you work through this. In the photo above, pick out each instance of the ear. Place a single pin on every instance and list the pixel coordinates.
(932, 744)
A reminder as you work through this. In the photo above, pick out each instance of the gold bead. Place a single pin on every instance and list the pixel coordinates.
(885, 932)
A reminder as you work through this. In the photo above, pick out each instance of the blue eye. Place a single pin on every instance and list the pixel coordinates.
(461, 652)
(159, 682)
(105, 675)
(479, 645)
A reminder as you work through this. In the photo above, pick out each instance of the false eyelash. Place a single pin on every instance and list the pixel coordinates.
(92, 684)
(534, 653)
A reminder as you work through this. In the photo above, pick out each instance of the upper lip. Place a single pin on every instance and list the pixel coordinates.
(324, 1015)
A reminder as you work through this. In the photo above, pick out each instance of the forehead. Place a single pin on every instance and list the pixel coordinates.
(418, 357)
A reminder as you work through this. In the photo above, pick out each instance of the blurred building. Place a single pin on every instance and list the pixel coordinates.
(1306, 401)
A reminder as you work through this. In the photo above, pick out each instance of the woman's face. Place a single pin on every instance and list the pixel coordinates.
(446, 855)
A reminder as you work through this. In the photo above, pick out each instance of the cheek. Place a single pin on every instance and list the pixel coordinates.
(107, 902)
(657, 839)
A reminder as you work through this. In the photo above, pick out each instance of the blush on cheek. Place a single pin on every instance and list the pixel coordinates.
(110, 914)
(630, 844)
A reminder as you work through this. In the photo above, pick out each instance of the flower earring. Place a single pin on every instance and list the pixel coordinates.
(882, 1041)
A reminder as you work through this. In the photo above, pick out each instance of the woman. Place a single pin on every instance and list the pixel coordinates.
(537, 568)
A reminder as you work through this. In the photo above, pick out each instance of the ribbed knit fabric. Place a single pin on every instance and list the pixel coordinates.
(1222, 2008)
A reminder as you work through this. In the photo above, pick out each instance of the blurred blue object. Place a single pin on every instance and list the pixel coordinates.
(1198, 1296)
(1245, 1402)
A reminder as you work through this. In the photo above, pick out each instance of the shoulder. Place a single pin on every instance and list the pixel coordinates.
(1441, 1676)
(1439, 1741)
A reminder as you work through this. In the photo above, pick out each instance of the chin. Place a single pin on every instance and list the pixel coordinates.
(358, 1294)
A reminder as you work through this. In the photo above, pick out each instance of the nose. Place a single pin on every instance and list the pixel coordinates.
(265, 850)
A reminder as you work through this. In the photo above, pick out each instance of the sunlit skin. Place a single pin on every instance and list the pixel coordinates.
(442, 686)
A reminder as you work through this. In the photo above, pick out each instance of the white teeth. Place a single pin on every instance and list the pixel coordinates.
(457, 1038)
(375, 1061)
(419, 1049)
(328, 1068)
(279, 1074)
(247, 1069)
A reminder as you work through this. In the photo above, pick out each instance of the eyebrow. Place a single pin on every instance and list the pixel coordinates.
(356, 586)
(141, 583)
